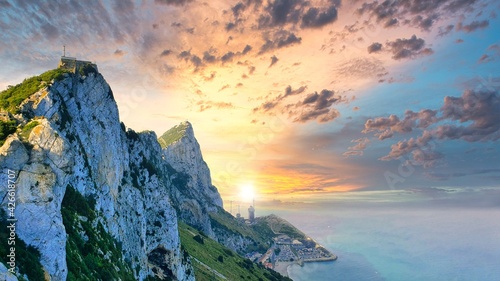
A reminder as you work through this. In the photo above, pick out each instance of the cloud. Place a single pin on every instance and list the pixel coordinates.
(391, 124)
(473, 26)
(251, 70)
(391, 23)
(119, 53)
(408, 48)
(247, 49)
(447, 176)
(49, 31)
(227, 86)
(279, 39)
(484, 59)
(237, 9)
(173, 2)
(280, 12)
(211, 77)
(290, 92)
(268, 105)
(495, 47)
(407, 146)
(227, 57)
(361, 68)
(208, 104)
(421, 14)
(492, 53)
(297, 13)
(209, 58)
(316, 106)
(193, 59)
(480, 110)
(353, 153)
(274, 60)
(375, 47)
(443, 31)
(472, 117)
(165, 53)
(361, 144)
(386, 126)
(357, 150)
(315, 18)
(5, 4)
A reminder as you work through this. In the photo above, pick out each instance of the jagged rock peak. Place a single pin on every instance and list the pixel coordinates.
(197, 195)
(184, 129)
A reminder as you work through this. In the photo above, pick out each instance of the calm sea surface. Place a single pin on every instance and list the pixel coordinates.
(399, 240)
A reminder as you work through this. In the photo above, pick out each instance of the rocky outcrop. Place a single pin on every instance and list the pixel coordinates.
(197, 201)
(193, 192)
(78, 141)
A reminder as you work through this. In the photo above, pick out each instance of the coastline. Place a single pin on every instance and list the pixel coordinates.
(282, 267)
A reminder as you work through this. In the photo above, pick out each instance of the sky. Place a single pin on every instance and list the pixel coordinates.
(293, 99)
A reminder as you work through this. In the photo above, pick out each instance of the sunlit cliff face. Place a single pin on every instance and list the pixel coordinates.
(280, 93)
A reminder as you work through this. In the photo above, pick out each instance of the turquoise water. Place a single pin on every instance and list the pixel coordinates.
(391, 241)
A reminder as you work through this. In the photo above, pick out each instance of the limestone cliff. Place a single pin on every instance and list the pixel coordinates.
(197, 201)
(193, 193)
(97, 201)
(69, 137)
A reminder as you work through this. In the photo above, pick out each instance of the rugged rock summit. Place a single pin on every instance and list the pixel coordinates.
(193, 193)
(74, 141)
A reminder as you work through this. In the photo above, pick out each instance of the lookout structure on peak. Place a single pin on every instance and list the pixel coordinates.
(74, 65)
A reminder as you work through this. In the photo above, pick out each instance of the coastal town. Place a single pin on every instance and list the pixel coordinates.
(286, 251)
(288, 248)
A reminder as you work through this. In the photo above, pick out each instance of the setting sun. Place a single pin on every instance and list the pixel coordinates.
(247, 192)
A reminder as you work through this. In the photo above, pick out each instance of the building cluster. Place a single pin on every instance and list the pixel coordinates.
(73, 65)
(294, 250)
(312, 254)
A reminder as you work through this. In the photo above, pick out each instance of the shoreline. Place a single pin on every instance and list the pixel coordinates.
(282, 266)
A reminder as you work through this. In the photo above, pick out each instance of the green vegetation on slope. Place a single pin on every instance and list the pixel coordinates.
(91, 253)
(27, 257)
(6, 128)
(261, 236)
(11, 98)
(278, 226)
(212, 261)
(173, 135)
(262, 231)
(26, 130)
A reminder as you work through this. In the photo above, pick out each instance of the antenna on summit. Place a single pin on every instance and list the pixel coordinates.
(64, 50)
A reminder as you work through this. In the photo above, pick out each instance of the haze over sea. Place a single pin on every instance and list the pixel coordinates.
(431, 234)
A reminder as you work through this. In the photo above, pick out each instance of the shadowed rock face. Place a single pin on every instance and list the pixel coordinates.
(193, 192)
(79, 142)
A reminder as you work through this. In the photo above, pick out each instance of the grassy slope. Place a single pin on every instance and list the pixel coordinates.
(98, 258)
(280, 226)
(11, 98)
(172, 135)
(232, 266)
(225, 220)
(262, 231)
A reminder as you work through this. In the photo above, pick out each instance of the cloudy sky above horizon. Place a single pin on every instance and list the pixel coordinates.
(296, 98)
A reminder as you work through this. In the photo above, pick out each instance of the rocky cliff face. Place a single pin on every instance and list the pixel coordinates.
(193, 194)
(77, 142)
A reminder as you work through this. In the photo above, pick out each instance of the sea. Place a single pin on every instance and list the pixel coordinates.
(400, 235)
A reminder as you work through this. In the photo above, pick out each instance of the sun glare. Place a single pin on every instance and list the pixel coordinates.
(247, 192)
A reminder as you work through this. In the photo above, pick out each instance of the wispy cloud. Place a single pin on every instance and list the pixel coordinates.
(472, 117)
